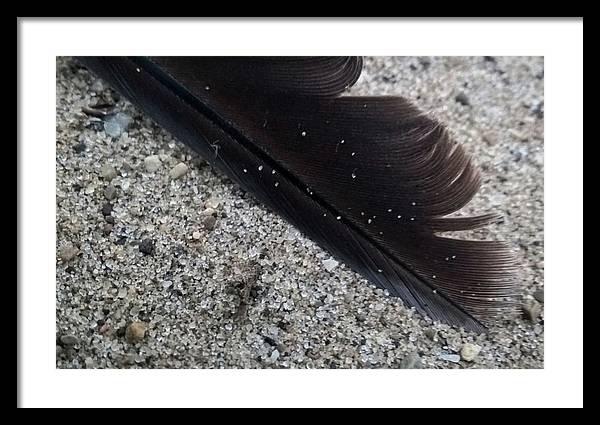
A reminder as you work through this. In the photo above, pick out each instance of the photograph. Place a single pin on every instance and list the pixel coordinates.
(299, 212)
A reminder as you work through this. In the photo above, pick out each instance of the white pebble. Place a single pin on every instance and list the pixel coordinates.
(178, 171)
(108, 172)
(470, 351)
(330, 264)
(152, 163)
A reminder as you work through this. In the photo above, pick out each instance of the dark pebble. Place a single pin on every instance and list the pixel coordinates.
(425, 62)
(270, 341)
(121, 240)
(77, 187)
(538, 110)
(79, 147)
(107, 209)
(96, 125)
(147, 247)
(539, 295)
(70, 269)
(208, 222)
(489, 59)
(518, 156)
(109, 219)
(389, 79)
(462, 99)
(361, 317)
(107, 229)
(69, 340)
(121, 332)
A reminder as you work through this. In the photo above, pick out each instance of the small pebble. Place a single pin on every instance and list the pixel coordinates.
(110, 192)
(147, 247)
(152, 163)
(470, 351)
(135, 332)
(209, 221)
(538, 109)
(109, 219)
(116, 124)
(107, 229)
(178, 171)
(69, 340)
(517, 134)
(108, 172)
(532, 310)
(490, 138)
(454, 358)
(330, 264)
(411, 361)
(196, 235)
(122, 293)
(430, 333)
(462, 99)
(539, 295)
(425, 62)
(213, 203)
(79, 147)
(107, 209)
(68, 252)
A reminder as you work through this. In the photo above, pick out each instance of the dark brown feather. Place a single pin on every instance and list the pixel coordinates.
(369, 178)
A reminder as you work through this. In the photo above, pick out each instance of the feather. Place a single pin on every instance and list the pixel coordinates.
(371, 179)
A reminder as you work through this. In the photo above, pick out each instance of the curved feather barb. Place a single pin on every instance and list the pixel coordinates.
(371, 179)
